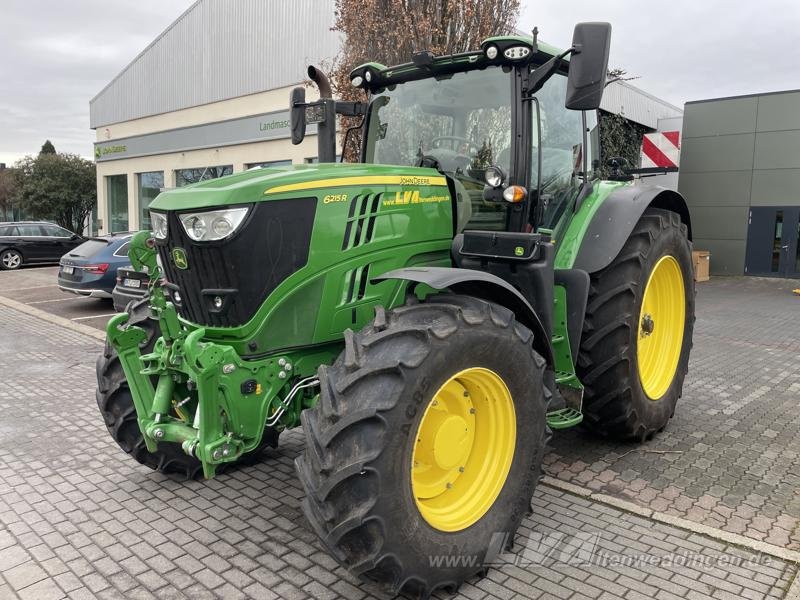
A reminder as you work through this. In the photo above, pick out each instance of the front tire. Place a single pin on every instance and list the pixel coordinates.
(10, 260)
(427, 442)
(634, 352)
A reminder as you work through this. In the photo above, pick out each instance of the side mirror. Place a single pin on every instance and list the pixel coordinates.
(297, 114)
(588, 65)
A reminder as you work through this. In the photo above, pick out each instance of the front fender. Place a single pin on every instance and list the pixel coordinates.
(484, 286)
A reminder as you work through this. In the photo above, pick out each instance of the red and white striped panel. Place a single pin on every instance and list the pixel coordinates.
(661, 149)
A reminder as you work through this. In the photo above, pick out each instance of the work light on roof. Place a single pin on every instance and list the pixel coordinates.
(368, 76)
(491, 52)
(516, 52)
(356, 81)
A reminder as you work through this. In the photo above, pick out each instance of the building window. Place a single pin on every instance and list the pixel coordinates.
(150, 185)
(117, 203)
(188, 176)
(270, 163)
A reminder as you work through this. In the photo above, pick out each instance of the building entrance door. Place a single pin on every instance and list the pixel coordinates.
(772, 241)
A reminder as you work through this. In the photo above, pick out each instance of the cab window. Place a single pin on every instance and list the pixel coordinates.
(562, 151)
(460, 123)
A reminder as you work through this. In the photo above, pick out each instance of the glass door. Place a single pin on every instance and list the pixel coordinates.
(772, 241)
(117, 203)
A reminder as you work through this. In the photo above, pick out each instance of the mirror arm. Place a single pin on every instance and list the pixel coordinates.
(540, 76)
(351, 109)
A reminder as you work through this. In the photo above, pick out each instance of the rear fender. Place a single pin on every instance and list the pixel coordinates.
(615, 218)
(484, 286)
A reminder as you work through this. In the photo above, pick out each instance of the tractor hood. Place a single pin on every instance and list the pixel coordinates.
(291, 181)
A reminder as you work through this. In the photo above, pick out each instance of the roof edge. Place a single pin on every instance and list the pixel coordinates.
(756, 95)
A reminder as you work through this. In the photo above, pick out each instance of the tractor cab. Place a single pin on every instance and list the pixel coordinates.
(510, 116)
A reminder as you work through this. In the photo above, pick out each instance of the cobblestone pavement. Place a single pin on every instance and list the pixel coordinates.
(734, 449)
(80, 519)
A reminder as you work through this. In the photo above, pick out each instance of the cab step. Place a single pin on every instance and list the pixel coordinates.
(564, 418)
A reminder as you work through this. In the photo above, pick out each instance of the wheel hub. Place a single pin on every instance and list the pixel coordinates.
(647, 325)
(452, 443)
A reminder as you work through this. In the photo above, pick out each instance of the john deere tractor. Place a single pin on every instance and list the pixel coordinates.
(427, 314)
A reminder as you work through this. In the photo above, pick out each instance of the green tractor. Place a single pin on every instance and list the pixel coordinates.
(427, 314)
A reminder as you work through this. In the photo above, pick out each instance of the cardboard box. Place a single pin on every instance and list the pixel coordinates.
(701, 260)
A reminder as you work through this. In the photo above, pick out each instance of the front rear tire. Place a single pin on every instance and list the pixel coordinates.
(426, 444)
(634, 352)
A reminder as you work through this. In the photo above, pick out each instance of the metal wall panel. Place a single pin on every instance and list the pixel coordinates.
(716, 189)
(220, 49)
(720, 153)
(776, 187)
(778, 112)
(727, 256)
(778, 150)
(737, 115)
(637, 105)
(720, 222)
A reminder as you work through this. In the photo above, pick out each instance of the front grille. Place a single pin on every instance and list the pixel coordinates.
(243, 270)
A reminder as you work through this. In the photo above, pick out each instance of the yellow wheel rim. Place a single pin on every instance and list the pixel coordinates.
(661, 323)
(463, 450)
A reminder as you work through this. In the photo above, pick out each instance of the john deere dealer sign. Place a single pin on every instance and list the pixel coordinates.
(244, 130)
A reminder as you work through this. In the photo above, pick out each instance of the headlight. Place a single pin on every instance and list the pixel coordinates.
(516, 52)
(158, 222)
(213, 224)
(494, 176)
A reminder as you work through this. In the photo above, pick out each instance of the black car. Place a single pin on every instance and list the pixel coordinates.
(31, 242)
(131, 285)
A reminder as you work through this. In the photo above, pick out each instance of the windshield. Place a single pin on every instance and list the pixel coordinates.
(463, 122)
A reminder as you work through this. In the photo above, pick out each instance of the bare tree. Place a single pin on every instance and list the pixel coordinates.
(390, 31)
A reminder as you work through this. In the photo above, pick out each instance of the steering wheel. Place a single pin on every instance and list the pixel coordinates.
(471, 146)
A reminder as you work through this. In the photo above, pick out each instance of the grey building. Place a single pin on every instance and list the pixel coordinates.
(740, 174)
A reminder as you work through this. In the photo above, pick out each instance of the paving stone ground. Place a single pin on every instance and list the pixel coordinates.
(732, 456)
(79, 519)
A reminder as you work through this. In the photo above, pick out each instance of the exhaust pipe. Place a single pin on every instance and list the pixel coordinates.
(318, 77)
(326, 129)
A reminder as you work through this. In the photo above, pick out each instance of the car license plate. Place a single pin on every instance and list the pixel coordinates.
(68, 270)
(131, 283)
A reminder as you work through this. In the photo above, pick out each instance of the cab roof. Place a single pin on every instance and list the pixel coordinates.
(499, 50)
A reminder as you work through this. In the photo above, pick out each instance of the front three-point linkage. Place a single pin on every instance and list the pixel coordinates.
(196, 399)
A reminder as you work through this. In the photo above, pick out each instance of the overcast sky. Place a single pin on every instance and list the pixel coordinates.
(55, 56)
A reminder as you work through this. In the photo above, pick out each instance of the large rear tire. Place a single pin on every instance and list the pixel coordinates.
(427, 443)
(115, 402)
(637, 335)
